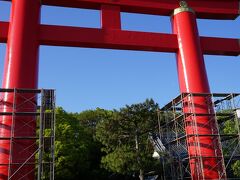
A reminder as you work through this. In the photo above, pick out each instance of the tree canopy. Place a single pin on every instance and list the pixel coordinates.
(76, 153)
(125, 138)
(111, 144)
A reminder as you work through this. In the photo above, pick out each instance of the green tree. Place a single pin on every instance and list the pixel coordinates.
(230, 126)
(236, 168)
(74, 149)
(124, 135)
(88, 120)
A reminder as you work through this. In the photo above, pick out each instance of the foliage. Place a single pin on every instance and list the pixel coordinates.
(102, 144)
(236, 168)
(230, 127)
(73, 149)
(90, 118)
(125, 138)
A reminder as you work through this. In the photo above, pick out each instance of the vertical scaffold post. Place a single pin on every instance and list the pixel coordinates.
(205, 155)
(20, 71)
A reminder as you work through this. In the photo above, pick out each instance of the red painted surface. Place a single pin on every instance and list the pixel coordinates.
(107, 38)
(220, 46)
(3, 31)
(193, 79)
(110, 17)
(125, 40)
(214, 9)
(20, 71)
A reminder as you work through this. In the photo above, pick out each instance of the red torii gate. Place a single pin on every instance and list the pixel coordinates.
(24, 34)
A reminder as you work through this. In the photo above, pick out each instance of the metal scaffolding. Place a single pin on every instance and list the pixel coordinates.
(224, 111)
(41, 145)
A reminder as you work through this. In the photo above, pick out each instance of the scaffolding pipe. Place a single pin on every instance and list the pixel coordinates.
(193, 79)
(20, 71)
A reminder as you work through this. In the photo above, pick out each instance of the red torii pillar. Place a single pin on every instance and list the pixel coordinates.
(205, 155)
(20, 71)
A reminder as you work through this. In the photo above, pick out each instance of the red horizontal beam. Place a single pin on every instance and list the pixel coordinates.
(124, 40)
(220, 46)
(107, 38)
(130, 40)
(3, 31)
(210, 9)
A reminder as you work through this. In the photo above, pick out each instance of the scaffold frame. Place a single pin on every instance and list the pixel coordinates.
(223, 110)
(42, 111)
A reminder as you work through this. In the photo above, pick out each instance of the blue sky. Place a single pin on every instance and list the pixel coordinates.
(87, 78)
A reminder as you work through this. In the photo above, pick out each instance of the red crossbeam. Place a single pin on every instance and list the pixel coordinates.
(220, 46)
(109, 38)
(3, 32)
(210, 9)
(125, 40)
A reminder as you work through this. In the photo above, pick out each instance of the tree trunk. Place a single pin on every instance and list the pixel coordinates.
(141, 174)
